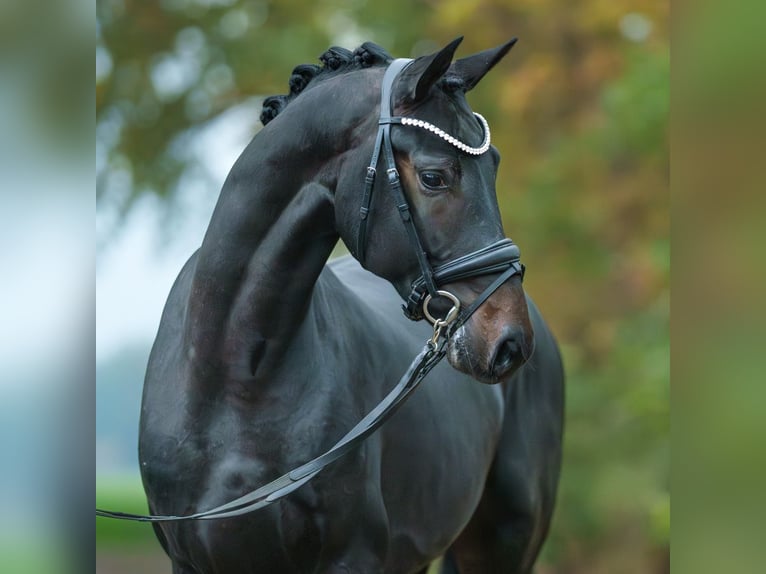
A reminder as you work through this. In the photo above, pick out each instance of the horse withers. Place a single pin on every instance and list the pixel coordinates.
(266, 354)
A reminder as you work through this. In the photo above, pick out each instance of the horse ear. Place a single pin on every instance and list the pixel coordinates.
(473, 68)
(416, 80)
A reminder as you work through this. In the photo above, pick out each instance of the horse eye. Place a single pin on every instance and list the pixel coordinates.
(433, 180)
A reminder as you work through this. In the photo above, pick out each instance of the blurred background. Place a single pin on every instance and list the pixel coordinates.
(579, 112)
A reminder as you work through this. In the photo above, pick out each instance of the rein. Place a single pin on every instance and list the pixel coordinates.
(500, 257)
(426, 360)
(432, 353)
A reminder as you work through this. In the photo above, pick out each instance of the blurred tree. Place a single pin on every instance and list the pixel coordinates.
(579, 112)
(166, 68)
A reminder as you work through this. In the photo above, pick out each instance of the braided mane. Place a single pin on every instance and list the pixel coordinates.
(334, 61)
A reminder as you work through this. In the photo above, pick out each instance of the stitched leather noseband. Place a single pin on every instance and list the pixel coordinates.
(500, 257)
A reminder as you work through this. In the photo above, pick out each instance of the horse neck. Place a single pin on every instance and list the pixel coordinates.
(270, 235)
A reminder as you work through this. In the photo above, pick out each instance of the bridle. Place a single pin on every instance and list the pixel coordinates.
(500, 257)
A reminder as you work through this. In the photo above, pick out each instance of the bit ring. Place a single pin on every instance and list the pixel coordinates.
(451, 314)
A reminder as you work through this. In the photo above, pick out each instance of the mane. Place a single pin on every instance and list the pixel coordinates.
(337, 60)
(334, 61)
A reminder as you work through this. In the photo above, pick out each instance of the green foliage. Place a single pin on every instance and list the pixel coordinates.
(579, 112)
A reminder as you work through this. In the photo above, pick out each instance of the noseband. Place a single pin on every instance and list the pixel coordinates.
(500, 257)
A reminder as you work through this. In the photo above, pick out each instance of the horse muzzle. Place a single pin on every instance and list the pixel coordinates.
(497, 339)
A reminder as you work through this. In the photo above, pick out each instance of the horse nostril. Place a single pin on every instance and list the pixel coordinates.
(507, 352)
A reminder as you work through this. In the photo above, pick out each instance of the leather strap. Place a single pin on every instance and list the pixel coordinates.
(383, 140)
(269, 493)
(421, 365)
(495, 258)
(479, 301)
(369, 181)
(364, 210)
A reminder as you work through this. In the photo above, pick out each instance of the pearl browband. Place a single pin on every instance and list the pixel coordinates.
(453, 140)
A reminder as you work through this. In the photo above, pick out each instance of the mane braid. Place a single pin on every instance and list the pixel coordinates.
(334, 61)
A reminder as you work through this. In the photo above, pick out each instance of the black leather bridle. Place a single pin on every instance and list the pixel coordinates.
(500, 257)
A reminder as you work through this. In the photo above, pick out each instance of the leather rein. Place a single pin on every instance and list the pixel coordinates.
(501, 257)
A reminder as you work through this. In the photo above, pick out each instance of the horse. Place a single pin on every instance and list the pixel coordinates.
(266, 353)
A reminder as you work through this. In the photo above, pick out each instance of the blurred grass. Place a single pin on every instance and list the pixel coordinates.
(29, 557)
(125, 495)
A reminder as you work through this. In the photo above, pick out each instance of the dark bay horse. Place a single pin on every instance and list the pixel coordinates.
(266, 355)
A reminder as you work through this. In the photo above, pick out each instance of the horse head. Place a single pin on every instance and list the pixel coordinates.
(453, 203)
